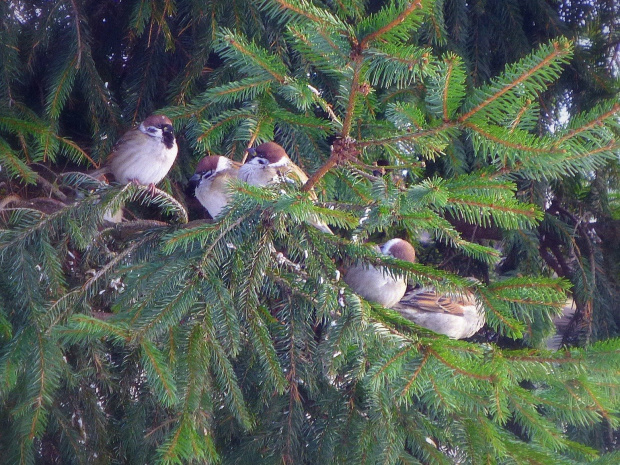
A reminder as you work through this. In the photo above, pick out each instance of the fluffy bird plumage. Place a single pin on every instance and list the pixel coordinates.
(454, 315)
(144, 154)
(269, 164)
(213, 173)
(377, 284)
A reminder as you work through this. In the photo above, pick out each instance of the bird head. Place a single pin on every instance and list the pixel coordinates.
(159, 126)
(206, 168)
(268, 153)
(400, 249)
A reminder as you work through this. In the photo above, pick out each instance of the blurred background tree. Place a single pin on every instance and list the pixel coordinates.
(485, 132)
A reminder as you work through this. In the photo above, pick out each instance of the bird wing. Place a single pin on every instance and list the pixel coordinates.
(131, 134)
(428, 300)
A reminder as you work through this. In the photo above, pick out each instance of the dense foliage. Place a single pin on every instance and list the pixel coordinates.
(485, 132)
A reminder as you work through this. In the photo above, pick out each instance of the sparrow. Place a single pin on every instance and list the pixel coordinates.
(377, 284)
(143, 155)
(210, 182)
(269, 164)
(456, 316)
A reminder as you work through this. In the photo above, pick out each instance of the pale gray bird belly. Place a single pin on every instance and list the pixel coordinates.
(145, 166)
(375, 285)
(257, 175)
(213, 200)
(453, 326)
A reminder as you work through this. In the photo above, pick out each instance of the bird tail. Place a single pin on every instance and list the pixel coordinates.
(321, 226)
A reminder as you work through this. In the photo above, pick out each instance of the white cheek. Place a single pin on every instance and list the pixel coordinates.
(222, 164)
(281, 162)
(158, 134)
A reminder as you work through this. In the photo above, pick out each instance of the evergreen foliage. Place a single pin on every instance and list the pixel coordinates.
(171, 338)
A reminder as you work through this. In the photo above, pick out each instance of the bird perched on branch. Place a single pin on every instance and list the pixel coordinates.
(210, 182)
(269, 164)
(377, 284)
(456, 316)
(143, 155)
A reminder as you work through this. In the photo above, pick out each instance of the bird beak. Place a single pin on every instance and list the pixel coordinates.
(251, 153)
(192, 184)
(167, 128)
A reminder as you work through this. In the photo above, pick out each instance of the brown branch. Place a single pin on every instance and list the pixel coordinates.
(526, 75)
(76, 15)
(388, 27)
(348, 117)
(51, 188)
(596, 122)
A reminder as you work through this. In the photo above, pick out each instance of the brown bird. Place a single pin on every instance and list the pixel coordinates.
(456, 316)
(210, 182)
(270, 164)
(143, 155)
(377, 284)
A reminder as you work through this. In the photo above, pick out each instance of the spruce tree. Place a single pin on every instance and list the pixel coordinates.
(171, 338)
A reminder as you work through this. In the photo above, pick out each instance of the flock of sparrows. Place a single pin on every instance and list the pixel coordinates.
(144, 155)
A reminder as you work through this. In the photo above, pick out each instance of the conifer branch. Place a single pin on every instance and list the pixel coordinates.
(418, 370)
(559, 50)
(413, 6)
(245, 51)
(38, 402)
(530, 212)
(304, 13)
(223, 122)
(594, 123)
(513, 145)
(490, 378)
(517, 120)
(409, 136)
(78, 32)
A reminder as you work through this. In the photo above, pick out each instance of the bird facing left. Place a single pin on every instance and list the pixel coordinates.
(269, 164)
(210, 182)
(143, 155)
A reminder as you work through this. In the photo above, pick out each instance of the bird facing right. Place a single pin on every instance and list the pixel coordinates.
(143, 155)
(456, 316)
(376, 283)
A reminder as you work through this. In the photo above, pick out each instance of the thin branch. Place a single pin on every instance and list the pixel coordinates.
(557, 51)
(388, 27)
(76, 17)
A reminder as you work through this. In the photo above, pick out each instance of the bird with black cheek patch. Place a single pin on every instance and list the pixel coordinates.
(456, 316)
(210, 182)
(144, 155)
(269, 164)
